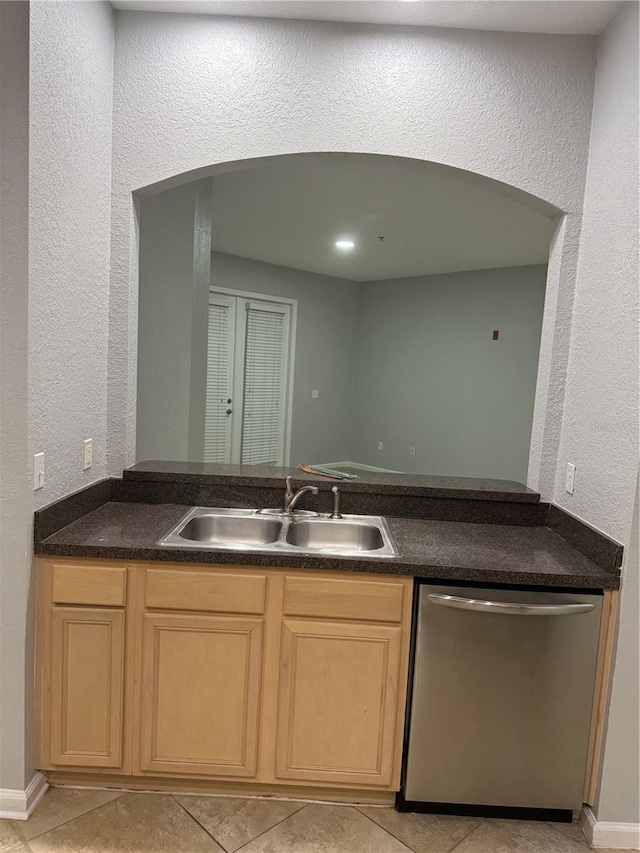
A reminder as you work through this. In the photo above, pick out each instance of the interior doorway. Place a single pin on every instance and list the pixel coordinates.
(249, 378)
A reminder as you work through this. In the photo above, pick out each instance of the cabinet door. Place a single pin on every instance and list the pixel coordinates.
(200, 694)
(87, 684)
(338, 703)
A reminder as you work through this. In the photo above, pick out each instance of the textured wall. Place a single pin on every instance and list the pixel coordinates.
(431, 377)
(600, 428)
(16, 668)
(69, 227)
(600, 421)
(53, 332)
(193, 91)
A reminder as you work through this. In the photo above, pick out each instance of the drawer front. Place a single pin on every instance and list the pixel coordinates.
(211, 591)
(104, 586)
(367, 601)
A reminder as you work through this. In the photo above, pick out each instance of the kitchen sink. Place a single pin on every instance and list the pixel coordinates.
(321, 534)
(278, 532)
(229, 529)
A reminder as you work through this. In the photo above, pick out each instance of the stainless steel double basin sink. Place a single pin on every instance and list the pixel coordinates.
(274, 532)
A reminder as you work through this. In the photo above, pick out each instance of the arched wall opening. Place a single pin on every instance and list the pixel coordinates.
(542, 208)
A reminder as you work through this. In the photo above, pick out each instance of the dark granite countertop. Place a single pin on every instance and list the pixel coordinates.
(441, 550)
(371, 482)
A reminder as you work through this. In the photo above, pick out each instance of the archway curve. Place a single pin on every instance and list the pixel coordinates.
(539, 205)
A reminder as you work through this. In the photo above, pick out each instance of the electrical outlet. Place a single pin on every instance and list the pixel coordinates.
(314, 395)
(380, 445)
(569, 483)
(88, 454)
(38, 471)
(412, 451)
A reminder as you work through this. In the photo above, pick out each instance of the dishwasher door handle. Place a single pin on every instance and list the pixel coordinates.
(508, 608)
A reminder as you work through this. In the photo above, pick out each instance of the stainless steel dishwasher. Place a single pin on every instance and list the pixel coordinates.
(500, 709)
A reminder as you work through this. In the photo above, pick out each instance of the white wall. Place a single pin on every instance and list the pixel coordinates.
(326, 342)
(175, 260)
(16, 646)
(71, 87)
(431, 377)
(69, 51)
(195, 91)
(600, 422)
(600, 426)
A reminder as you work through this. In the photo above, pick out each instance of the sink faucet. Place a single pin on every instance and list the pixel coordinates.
(291, 499)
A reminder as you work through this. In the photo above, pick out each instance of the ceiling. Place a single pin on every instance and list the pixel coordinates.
(532, 16)
(292, 210)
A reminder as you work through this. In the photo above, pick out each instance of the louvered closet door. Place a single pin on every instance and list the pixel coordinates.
(218, 427)
(266, 357)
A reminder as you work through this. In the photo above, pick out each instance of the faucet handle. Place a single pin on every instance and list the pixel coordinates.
(288, 492)
(336, 503)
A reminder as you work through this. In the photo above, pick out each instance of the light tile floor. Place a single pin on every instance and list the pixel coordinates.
(73, 821)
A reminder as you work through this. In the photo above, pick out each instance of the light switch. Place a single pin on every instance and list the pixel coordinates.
(570, 481)
(88, 454)
(314, 394)
(38, 471)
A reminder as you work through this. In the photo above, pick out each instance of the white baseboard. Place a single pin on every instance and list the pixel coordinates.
(18, 805)
(615, 836)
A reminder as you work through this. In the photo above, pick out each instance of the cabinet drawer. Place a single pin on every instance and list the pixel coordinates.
(211, 591)
(368, 601)
(98, 585)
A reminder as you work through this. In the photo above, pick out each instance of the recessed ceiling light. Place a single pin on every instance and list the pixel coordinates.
(345, 245)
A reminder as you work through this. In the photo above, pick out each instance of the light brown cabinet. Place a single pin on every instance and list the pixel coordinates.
(200, 694)
(339, 702)
(284, 679)
(87, 687)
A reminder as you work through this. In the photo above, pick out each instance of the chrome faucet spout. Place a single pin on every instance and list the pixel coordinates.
(291, 499)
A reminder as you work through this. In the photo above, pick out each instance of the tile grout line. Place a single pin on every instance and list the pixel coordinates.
(219, 843)
(384, 829)
(411, 848)
(584, 843)
(197, 822)
(471, 831)
(16, 825)
(24, 841)
(71, 819)
(260, 834)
